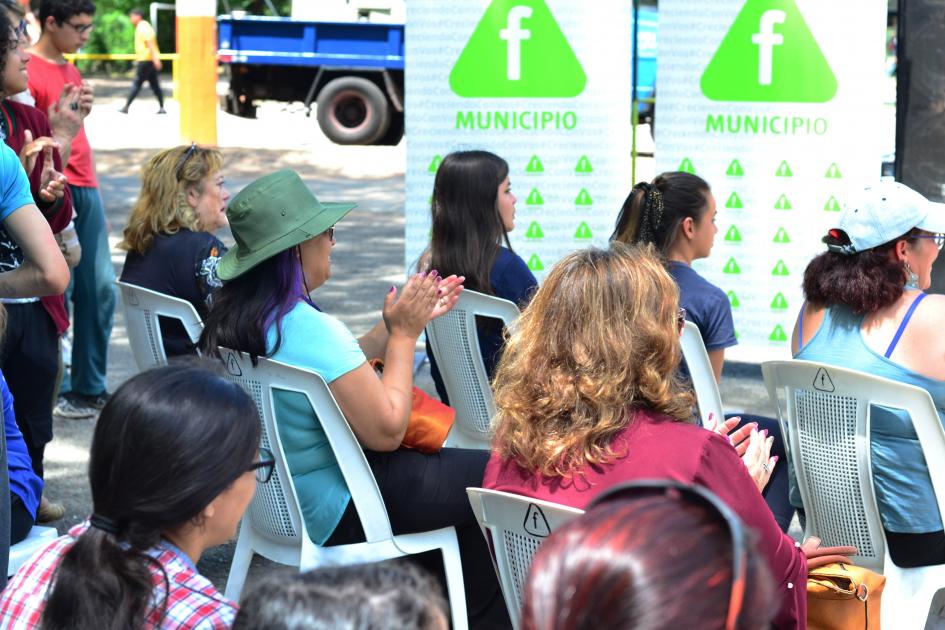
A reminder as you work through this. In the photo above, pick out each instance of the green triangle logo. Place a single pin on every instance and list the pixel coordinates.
(780, 269)
(769, 55)
(534, 198)
(833, 171)
(731, 267)
(777, 334)
(535, 165)
(583, 198)
(735, 169)
(434, 164)
(517, 50)
(782, 203)
(733, 299)
(534, 231)
(779, 302)
(583, 165)
(784, 170)
(781, 236)
(535, 264)
(583, 232)
(733, 235)
(734, 201)
(832, 205)
(686, 166)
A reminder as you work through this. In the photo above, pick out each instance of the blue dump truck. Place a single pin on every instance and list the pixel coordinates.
(354, 71)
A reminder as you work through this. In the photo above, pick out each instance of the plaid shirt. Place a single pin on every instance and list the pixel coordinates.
(193, 602)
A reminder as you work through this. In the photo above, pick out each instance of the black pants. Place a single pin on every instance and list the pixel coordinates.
(29, 358)
(425, 492)
(776, 493)
(145, 71)
(21, 521)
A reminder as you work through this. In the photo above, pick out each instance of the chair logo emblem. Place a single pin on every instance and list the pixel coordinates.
(535, 522)
(822, 381)
(132, 297)
(232, 365)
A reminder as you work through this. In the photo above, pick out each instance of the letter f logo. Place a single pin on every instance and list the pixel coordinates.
(766, 39)
(513, 33)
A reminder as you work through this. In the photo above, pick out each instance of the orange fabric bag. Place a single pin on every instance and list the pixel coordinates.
(430, 420)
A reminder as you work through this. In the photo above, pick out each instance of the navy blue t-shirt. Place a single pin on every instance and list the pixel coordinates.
(706, 306)
(512, 280)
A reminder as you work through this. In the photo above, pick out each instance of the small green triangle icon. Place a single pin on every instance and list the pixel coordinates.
(782, 203)
(779, 302)
(780, 269)
(434, 164)
(734, 201)
(777, 334)
(784, 170)
(731, 267)
(583, 198)
(535, 165)
(769, 55)
(517, 50)
(534, 198)
(733, 299)
(832, 205)
(583, 231)
(535, 264)
(735, 169)
(833, 172)
(781, 236)
(583, 165)
(686, 166)
(733, 235)
(534, 231)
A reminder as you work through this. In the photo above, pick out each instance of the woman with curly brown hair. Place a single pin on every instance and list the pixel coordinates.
(587, 397)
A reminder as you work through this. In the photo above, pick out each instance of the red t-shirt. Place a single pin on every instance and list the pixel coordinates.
(46, 80)
(659, 447)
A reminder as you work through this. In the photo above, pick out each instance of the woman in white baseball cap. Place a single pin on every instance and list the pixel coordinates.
(866, 309)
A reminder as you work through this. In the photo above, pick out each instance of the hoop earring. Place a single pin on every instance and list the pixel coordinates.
(912, 278)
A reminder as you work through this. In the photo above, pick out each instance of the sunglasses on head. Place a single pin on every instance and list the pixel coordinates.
(183, 162)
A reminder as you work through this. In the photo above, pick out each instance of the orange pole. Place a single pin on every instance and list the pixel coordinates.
(197, 50)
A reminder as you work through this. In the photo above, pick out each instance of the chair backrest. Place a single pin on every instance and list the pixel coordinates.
(274, 512)
(517, 525)
(826, 414)
(700, 371)
(455, 343)
(142, 308)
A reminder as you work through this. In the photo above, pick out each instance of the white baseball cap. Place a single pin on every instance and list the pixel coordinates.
(884, 211)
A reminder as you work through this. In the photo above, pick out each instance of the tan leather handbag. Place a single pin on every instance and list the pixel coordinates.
(843, 597)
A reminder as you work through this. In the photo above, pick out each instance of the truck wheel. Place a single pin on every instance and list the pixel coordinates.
(396, 130)
(352, 110)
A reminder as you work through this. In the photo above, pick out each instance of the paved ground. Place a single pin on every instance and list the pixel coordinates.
(367, 259)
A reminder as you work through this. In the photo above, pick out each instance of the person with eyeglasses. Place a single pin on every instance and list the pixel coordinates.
(174, 462)
(66, 27)
(866, 308)
(170, 234)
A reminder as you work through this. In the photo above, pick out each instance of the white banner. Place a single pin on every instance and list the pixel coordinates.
(545, 85)
(776, 104)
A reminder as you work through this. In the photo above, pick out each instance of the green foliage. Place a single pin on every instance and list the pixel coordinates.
(113, 33)
(257, 7)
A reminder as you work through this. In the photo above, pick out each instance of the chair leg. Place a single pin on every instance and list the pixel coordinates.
(454, 583)
(239, 568)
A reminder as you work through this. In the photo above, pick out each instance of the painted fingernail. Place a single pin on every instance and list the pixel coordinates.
(433, 273)
(391, 290)
(423, 274)
(730, 440)
(765, 432)
(776, 458)
(439, 291)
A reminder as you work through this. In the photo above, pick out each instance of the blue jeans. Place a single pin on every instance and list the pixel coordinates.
(92, 293)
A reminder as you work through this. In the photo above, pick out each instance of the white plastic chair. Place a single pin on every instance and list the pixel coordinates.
(455, 344)
(826, 412)
(273, 525)
(517, 525)
(22, 551)
(701, 374)
(142, 308)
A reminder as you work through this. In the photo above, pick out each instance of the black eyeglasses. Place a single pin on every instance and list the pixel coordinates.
(264, 465)
(331, 233)
(20, 29)
(180, 167)
(700, 496)
(680, 319)
(938, 238)
(80, 28)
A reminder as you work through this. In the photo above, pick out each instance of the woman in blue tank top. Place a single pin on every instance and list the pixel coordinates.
(866, 309)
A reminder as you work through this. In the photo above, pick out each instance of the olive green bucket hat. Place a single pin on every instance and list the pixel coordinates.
(274, 213)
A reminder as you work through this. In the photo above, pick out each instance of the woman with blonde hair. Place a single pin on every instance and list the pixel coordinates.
(169, 239)
(587, 397)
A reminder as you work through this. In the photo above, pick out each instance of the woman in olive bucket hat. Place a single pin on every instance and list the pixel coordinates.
(284, 237)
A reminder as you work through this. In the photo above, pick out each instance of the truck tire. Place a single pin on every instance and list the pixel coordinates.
(396, 130)
(353, 110)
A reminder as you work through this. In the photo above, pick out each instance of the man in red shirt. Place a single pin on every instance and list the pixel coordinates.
(66, 25)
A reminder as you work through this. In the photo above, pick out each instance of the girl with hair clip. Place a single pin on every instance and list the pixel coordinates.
(174, 462)
(169, 239)
(473, 212)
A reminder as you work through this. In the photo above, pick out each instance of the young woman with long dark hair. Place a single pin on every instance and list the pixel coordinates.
(473, 212)
(174, 462)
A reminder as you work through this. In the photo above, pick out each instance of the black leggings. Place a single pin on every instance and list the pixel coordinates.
(776, 492)
(145, 71)
(21, 521)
